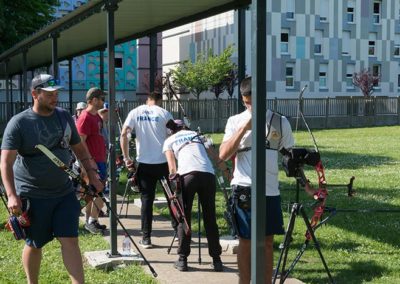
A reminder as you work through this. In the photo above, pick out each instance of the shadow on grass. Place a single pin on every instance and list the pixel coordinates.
(371, 216)
(352, 273)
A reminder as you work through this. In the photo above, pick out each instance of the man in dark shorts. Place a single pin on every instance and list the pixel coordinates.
(28, 174)
(237, 141)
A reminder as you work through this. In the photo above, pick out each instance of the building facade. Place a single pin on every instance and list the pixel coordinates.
(321, 43)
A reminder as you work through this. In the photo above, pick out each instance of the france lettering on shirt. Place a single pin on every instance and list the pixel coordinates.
(183, 138)
(148, 118)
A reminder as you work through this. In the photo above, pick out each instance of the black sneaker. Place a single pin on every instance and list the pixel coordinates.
(181, 264)
(103, 214)
(145, 243)
(98, 226)
(217, 264)
(92, 228)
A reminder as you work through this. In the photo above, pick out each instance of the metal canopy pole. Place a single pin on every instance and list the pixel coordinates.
(241, 52)
(11, 97)
(54, 37)
(71, 109)
(101, 69)
(258, 65)
(153, 61)
(24, 79)
(111, 6)
(21, 92)
(7, 89)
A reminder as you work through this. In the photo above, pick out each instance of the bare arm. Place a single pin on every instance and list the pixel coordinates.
(230, 146)
(220, 164)
(171, 161)
(124, 143)
(89, 164)
(7, 174)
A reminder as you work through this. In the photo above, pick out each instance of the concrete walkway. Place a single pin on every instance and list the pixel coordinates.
(162, 262)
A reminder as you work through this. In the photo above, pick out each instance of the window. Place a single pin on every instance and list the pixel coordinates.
(397, 50)
(376, 15)
(285, 41)
(371, 47)
(290, 15)
(376, 72)
(290, 9)
(398, 80)
(350, 11)
(318, 42)
(349, 76)
(372, 44)
(324, 10)
(289, 75)
(118, 60)
(323, 70)
(346, 43)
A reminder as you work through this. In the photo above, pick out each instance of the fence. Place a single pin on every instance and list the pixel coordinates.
(211, 115)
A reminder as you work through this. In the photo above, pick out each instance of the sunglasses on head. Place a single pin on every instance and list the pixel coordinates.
(49, 83)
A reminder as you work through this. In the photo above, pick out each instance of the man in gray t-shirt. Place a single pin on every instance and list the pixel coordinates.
(27, 174)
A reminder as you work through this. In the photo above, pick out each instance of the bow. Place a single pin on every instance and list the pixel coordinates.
(172, 93)
(320, 194)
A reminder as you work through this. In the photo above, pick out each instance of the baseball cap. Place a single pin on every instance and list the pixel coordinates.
(45, 82)
(179, 123)
(95, 93)
(81, 105)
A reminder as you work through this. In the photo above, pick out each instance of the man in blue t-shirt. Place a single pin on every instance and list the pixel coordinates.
(28, 174)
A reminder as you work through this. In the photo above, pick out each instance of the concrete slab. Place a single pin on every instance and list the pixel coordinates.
(102, 260)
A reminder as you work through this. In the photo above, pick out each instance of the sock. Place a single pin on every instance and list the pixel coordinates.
(92, 220)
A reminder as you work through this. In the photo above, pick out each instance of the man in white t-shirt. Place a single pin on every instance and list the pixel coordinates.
(195, 173)
(149, 123)
(237, 141)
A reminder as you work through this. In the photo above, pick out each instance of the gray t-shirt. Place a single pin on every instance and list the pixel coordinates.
(35, 175)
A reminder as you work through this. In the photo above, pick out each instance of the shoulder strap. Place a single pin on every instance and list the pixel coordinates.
(62, 118)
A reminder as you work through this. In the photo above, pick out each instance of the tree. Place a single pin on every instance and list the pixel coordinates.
(219, 70)
(191, 76)
(231, 81)
(158, 83)
(214, 73)
(21, 18)
(366, 81)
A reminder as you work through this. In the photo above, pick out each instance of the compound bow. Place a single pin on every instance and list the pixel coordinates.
(321, 193)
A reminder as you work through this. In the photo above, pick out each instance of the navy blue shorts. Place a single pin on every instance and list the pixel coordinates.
(102, 170)
(273, 218)
(51, 218)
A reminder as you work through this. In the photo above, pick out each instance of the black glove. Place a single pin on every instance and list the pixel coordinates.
(175, 183)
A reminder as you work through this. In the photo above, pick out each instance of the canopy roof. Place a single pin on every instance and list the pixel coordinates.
(85, 29)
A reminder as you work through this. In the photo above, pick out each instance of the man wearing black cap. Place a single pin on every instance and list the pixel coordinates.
(27, 174)
(195, 173)
(89, 126)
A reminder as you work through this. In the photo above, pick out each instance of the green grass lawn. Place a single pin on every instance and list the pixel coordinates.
(358, 247)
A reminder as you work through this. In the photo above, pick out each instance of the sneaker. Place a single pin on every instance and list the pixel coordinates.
(98, 226)
(181, 264)
(103, 214)
(217, 264)
(92, 228)
(145, 243)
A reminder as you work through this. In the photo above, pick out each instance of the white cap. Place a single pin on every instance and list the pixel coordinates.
(81, 105)
(45, 82)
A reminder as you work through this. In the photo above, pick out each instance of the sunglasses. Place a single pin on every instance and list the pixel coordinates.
(49, 83)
